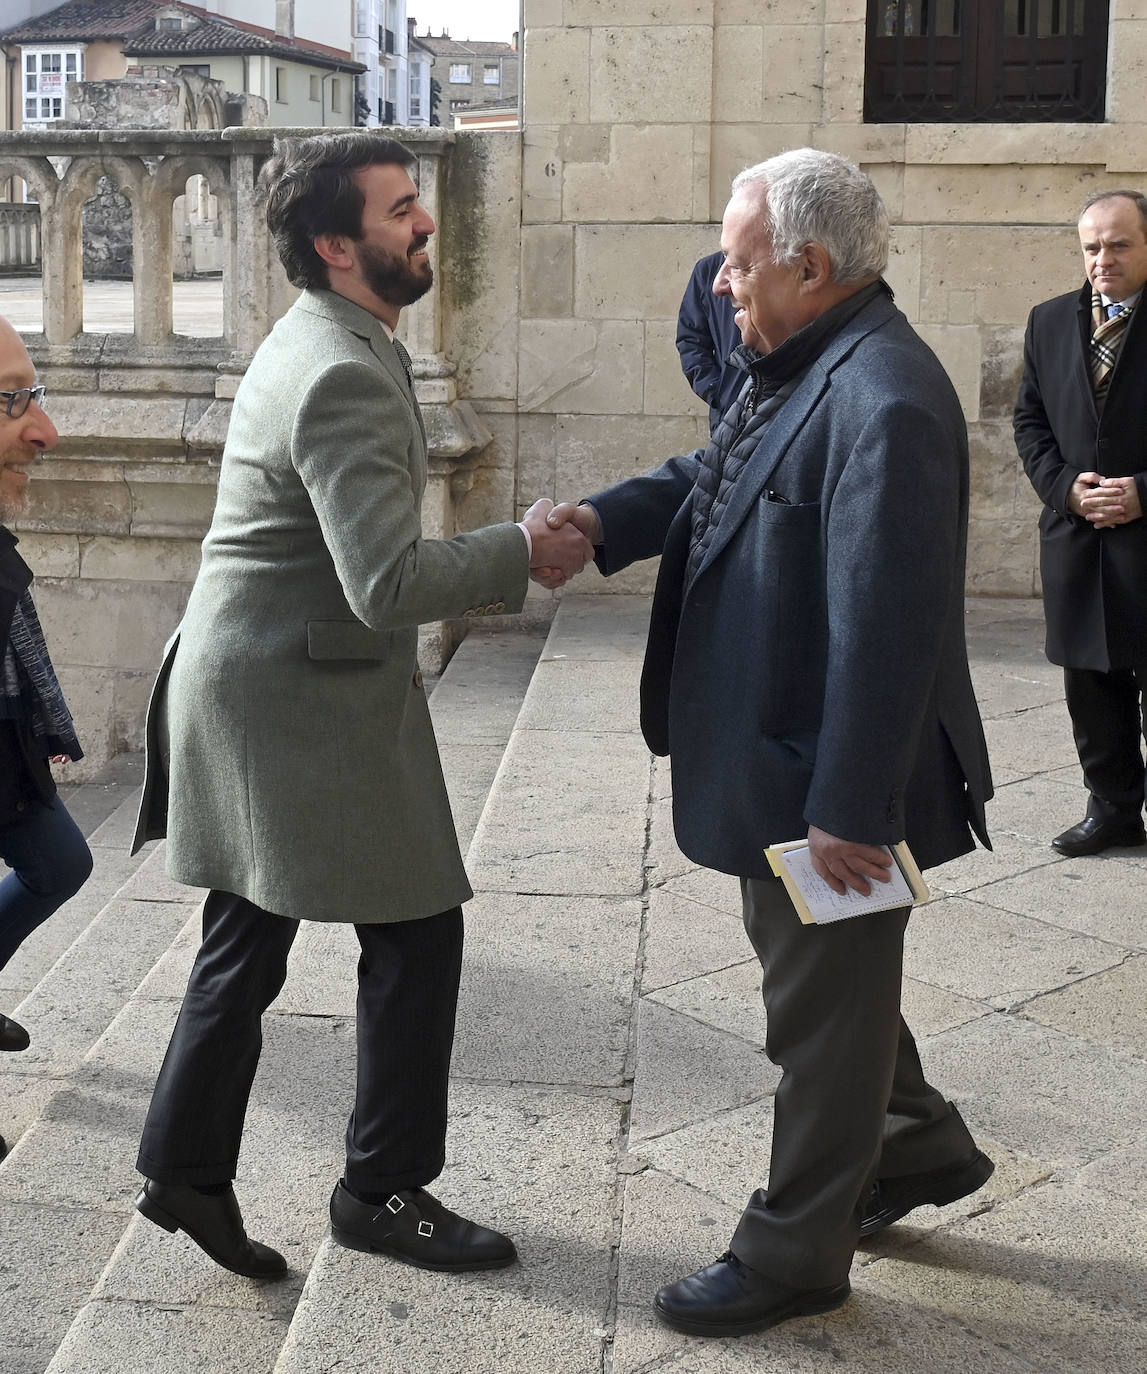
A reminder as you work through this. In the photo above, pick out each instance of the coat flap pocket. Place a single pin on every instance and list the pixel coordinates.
(346, 639)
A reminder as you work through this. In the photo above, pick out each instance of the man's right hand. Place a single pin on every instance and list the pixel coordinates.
(1089, 499)
(558, 550)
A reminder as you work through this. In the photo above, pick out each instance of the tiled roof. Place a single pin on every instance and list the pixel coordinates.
(453, 47)
(133, 22)
(84, 19)
(221, 37)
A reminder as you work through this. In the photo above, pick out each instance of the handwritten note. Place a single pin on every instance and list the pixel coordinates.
(827, 905)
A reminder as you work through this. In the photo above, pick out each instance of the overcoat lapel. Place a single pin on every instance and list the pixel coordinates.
(789, 421)
(1079, 363)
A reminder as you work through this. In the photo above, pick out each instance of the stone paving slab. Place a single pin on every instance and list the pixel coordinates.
(570, 819)
(41, 1297)
(1055, 1275)
(688, 1071)
(612, 1104)
(1039, 1090)
(994, 956)
(86, 988)
(538, 1163)
(1102, 896)
(1108, 1009)
(685, 939)
(113, 1337)
(537, 963)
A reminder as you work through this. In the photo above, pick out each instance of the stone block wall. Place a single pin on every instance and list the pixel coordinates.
(637, 117)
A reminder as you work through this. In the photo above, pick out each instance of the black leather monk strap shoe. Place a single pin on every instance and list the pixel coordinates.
(1094, 834)
(414, 1227)
(893, 1198)
(13, 1036)
(730, 1299)
(214, 1223)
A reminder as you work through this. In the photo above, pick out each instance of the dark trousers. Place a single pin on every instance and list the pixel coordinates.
(50, 862)
(852, 1104)
(408, 976)
(1107, 717)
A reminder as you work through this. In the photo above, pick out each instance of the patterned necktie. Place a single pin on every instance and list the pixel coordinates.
(407, 365)
(1106, 340)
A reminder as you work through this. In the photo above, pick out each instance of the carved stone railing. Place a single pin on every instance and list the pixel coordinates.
(122, 503)
(19, 237)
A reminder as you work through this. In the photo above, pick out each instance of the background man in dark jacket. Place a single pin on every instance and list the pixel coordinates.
(39, 841)
(706, 336)
(806, 671)
(1079, 424)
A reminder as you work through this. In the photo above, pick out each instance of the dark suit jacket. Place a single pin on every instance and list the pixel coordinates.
(24, 771)
(1094, 581)
(814, 671)
(706, 336)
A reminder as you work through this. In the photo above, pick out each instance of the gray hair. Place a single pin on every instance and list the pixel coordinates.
(817, 197)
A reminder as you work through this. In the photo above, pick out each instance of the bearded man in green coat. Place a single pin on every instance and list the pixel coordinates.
(292, 762)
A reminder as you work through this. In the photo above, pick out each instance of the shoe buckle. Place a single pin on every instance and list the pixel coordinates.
(426, 1228)
(395, 1205)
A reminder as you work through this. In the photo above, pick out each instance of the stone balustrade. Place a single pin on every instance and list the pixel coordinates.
(19, 237)
(120, 507)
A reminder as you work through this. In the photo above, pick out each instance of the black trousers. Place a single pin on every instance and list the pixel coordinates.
(1108, 720)
(852, 1104)
(408, 976)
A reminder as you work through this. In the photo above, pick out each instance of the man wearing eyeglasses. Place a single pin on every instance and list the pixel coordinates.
(39, 841)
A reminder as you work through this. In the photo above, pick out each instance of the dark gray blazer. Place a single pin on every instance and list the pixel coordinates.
(815, 671)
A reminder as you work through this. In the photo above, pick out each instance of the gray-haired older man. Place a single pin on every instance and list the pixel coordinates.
(807, 672)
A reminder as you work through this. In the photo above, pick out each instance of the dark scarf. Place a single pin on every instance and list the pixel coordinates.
(29, 688)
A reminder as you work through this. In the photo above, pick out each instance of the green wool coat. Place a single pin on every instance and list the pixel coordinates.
(304, 773)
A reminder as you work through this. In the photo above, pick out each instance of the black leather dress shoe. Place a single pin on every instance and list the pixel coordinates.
(893, 1198)
(3, 1147)
(214, 1223)
(730, 1299)
(1094, 834)
(13, 1036)
(414, 1227)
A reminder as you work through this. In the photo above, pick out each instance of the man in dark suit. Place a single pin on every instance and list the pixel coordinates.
(806, 671)
(706, 336)
(1079, 426)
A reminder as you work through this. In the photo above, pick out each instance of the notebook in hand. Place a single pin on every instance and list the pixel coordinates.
(817, 904)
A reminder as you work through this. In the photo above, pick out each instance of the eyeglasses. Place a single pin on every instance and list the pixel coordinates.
(17, 402)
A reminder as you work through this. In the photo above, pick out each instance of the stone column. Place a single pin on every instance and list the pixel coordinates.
(152, 262)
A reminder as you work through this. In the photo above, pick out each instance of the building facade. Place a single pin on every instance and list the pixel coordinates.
(304, 82)
(473, 74)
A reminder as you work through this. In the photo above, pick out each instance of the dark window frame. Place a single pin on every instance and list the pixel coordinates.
(981, 73)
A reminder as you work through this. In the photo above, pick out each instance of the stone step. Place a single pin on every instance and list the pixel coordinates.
(542, 1057)
(100, 1287)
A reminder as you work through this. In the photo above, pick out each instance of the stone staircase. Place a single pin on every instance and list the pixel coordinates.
(611, 1101)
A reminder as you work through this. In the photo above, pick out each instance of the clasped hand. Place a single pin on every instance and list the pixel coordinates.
(559, 547)
(565, 528)
(1105, 501)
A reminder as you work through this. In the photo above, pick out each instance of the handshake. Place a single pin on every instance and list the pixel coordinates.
(562, 539)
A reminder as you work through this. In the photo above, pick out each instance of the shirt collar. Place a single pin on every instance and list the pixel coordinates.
(1126, 303)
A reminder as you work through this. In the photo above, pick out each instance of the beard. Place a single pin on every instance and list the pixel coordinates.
(393, 279)
(12, 503)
